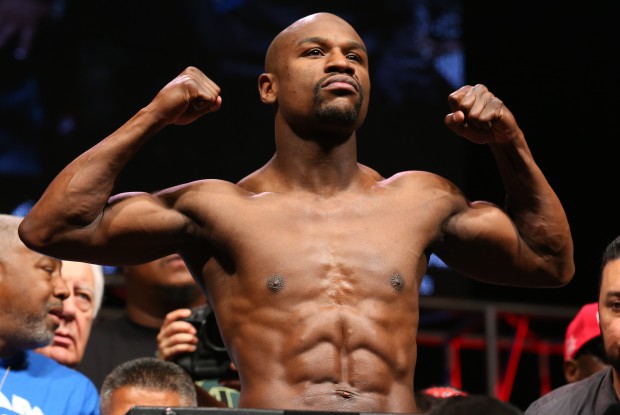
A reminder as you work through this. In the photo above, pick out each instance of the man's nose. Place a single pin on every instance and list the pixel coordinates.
(61, 290)
(338, 62)
(69, 308)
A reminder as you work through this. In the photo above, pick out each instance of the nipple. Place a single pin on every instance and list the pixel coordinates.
(275, 283)
(397, 282)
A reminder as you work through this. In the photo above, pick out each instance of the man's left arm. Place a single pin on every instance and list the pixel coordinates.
(529, 243)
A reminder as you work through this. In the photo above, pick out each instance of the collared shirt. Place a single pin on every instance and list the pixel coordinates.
(593, 395)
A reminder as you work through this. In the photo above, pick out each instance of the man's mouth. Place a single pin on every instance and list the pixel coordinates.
(340, 83)
(63, 340)
(56, 313)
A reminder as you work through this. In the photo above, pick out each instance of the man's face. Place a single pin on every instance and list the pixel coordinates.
(322, 73)
(123, 399)
(167, 271)
(609, 311)
(582, 367)
(31, 294)
(71, 336)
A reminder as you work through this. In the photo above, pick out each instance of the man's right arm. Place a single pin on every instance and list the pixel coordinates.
(76, 218)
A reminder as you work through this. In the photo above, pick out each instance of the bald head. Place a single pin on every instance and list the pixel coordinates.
(288, 35)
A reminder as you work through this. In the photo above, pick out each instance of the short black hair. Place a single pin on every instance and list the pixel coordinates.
(611, 253)
(149, 373)
(475, 405)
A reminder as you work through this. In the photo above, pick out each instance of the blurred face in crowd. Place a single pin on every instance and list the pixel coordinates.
(609, 311)
(586, 362)
(167, 271)
(71, 336)
(166, 281)
(31, 293)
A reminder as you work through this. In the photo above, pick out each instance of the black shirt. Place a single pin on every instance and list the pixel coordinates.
(115, 341)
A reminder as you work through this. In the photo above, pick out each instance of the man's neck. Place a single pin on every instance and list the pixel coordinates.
(309, 167)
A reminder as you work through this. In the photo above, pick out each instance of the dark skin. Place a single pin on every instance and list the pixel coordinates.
(582, 366)
(313, 262)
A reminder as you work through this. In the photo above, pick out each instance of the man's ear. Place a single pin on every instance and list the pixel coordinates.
(571, 370)
(267, 88)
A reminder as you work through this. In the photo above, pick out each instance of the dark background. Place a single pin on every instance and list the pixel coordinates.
(554, 65)
(555, 68)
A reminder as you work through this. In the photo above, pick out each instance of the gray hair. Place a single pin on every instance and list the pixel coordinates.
(8, 234)
(99, 286)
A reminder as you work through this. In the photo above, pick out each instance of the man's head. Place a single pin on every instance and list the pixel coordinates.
(31, 292)
(609, 302)
(317, 70)
(155, 288)
(474, 404)
(146, 381)
(85, 283)
(583, 345)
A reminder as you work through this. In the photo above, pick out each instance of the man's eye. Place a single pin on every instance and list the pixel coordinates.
(314, 52)
(84, 301)
(84, 296)
(354, 57)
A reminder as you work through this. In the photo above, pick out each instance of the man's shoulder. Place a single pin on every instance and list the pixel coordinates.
(573, 397)
(420, 178)
(47, 366)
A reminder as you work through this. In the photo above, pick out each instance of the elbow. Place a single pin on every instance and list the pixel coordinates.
(566, 273)
(566, 264)
(557, 262)
(562, 271)
(34, 236)
(43, 240)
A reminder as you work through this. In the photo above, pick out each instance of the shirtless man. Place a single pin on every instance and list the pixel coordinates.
(313, 262)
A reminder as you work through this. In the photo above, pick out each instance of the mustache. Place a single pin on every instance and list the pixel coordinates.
(349, 79)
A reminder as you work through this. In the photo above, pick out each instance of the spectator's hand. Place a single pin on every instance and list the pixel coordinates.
(186, 98)
(480, 116)
(176, 336)
(20, 19)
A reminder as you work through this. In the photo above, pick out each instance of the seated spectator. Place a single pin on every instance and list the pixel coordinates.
(146, 381)
(152, 290)
(584, 353)
(32, 293)
(85, 283)
(599, 393)
(475, 405)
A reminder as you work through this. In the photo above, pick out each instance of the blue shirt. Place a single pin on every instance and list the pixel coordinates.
(37, 385)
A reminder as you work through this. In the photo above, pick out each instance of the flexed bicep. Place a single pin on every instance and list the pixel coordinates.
(134, 229)
(131, 228)
(484, 243)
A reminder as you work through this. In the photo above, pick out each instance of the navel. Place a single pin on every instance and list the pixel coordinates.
(344, 394)
(275, 283)
(397, 282)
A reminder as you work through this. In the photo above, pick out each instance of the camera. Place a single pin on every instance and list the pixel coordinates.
(210, 360)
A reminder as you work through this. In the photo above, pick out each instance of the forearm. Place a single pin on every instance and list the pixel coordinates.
(78, 195)
(534, 207)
